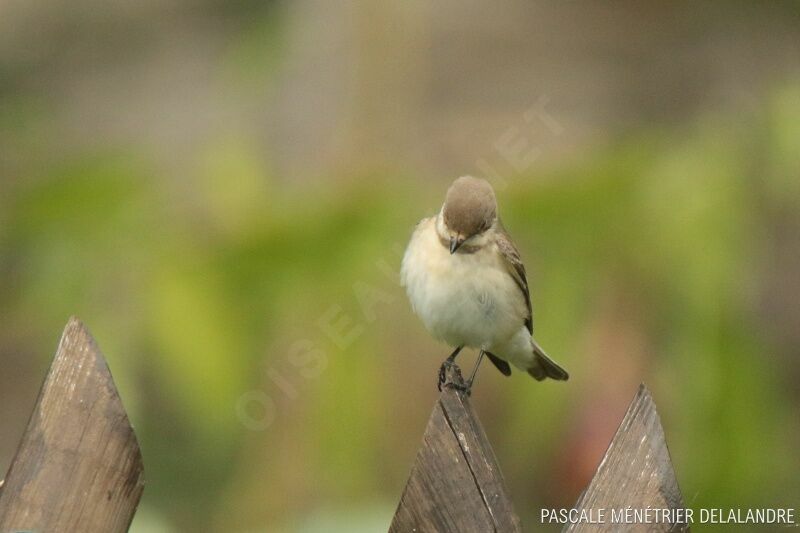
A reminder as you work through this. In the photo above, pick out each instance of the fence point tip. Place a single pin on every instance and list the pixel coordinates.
(75, 323)
(643, 392)
(453, 380)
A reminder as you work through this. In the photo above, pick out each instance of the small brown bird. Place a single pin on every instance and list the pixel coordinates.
(466, 281)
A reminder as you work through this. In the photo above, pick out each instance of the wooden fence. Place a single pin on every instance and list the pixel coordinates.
(78, 467)
(456, 485)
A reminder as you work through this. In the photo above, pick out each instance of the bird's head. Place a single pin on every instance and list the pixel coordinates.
(469, 210)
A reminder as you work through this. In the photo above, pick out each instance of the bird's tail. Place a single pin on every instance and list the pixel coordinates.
(544, 367)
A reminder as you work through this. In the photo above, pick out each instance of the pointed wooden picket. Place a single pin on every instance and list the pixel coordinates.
(636, 472)
(78, 467)
(455, 483)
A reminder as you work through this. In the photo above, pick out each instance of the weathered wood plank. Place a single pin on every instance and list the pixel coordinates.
(455, 483)
(78, 467)
(636, 472)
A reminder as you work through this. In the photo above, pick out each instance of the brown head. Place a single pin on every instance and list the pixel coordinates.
(470, 208)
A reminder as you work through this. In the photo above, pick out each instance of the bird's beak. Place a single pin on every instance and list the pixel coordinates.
(455, 242)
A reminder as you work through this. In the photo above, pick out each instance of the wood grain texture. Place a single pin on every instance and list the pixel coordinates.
(636, 472)
(455, 483)
(78, 467)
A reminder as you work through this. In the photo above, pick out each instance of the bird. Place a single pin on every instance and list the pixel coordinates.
(466, 281)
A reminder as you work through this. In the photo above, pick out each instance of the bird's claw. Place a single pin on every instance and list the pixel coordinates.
(448, 363)
(466, 388)
(442, 375)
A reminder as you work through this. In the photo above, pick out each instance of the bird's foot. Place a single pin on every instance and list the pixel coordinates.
(465, 388)
(453, 381)
(448, 363)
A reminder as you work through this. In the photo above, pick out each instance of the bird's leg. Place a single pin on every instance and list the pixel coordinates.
(467, 387)
(474, 371)
(452, 357)
(447, 364)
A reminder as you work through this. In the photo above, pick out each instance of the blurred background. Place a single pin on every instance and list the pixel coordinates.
(222, 191)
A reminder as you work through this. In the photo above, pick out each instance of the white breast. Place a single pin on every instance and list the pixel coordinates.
(463, 299)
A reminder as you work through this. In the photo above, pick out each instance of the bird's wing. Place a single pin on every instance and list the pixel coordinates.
(513, 263)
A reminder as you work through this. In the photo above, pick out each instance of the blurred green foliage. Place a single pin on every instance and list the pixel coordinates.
(197, 294)
(661, 257)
